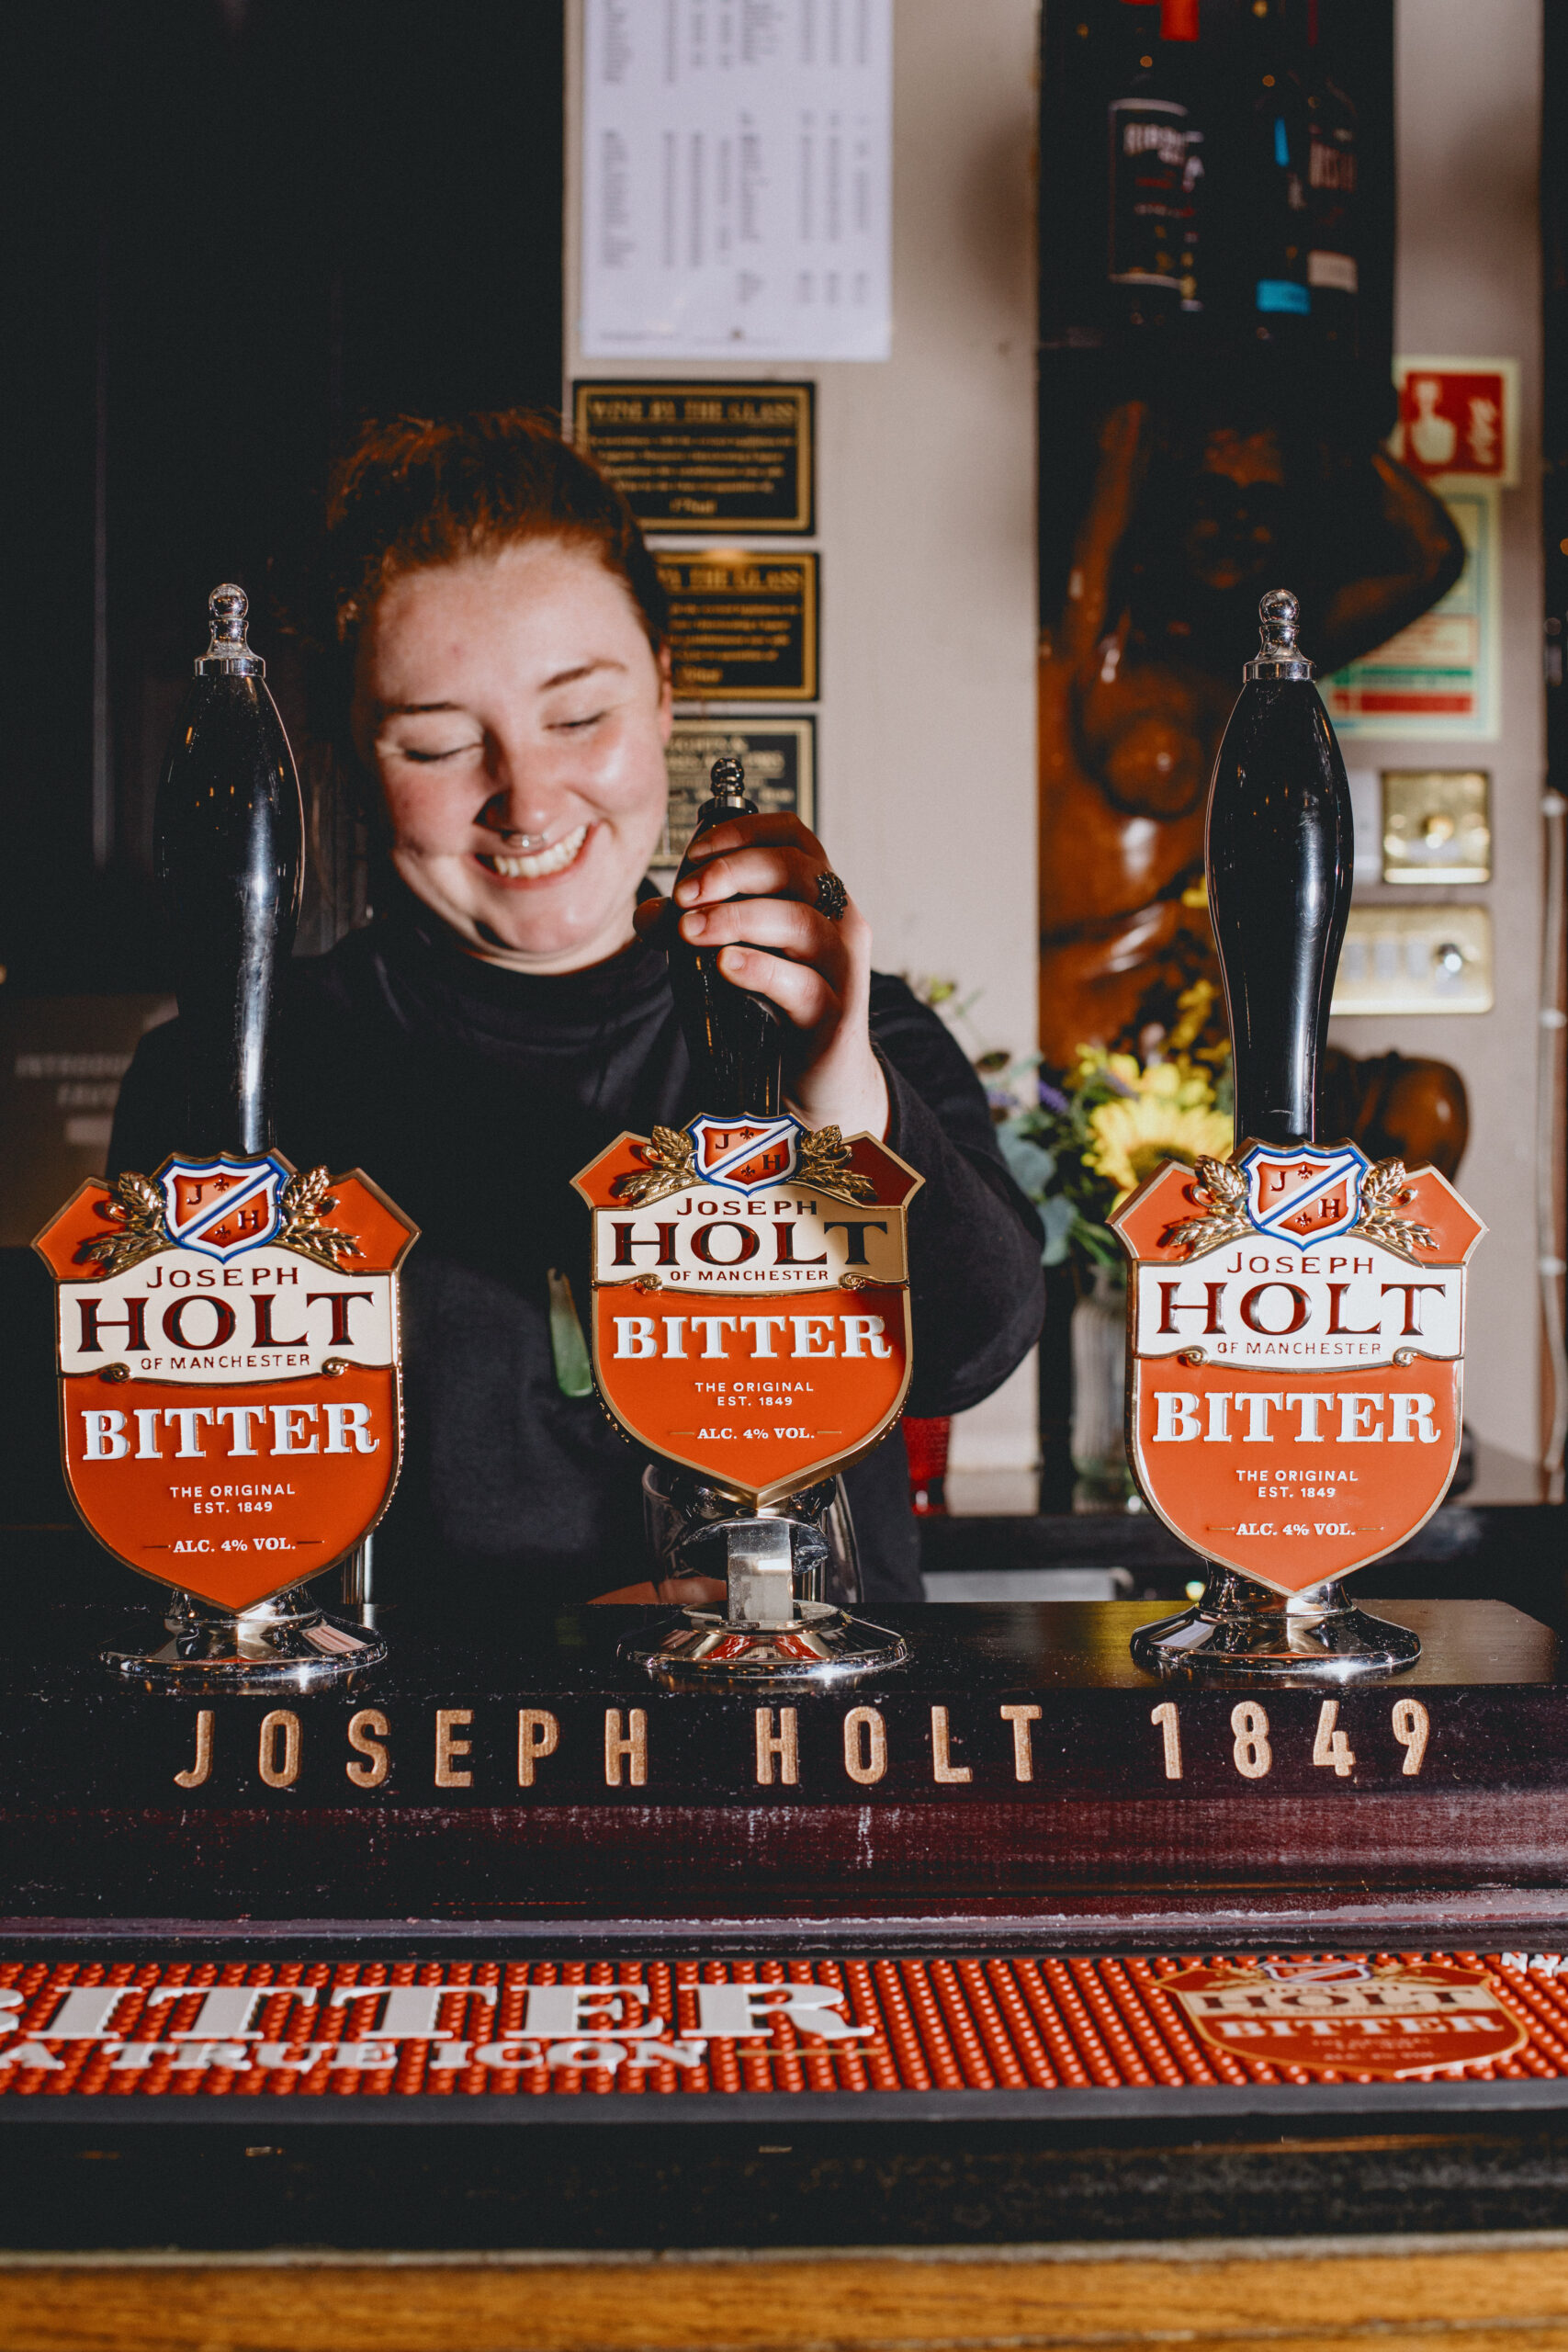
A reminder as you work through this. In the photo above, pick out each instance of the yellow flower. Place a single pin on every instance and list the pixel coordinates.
(1193, 1004)
(1171, 1115)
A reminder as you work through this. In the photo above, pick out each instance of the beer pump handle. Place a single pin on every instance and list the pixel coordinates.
(229, 856)
(735, 1039)
(1278, 850)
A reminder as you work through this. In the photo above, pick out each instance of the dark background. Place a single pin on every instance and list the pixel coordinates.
(236, 228)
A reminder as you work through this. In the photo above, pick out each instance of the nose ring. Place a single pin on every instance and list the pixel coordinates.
(528, 840)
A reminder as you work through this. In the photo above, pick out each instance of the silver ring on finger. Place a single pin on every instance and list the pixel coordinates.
(831, 896)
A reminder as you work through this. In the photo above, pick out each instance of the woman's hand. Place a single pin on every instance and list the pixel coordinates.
(752, 895)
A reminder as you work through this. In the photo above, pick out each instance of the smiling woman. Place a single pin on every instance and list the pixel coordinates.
(499, 673)
(516, 716)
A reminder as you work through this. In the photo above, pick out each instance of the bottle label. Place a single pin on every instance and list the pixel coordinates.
(1153, 194)
(1295, 1340)
(1336, 271)
(750, 1296)
(231, 1413)
(1283, 294)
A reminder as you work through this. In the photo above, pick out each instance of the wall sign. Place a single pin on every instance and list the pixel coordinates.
(737, 180)
(742, 626)
(1459, 418)
(780, 759)
(708, 456)
(1438, 677)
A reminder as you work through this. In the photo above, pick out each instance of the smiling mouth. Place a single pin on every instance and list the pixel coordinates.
(554, 860)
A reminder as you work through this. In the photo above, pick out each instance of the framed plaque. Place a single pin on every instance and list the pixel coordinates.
(742, 625)
(779, 760)
(737, 457)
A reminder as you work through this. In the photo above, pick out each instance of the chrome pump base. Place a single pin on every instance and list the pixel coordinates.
(1242, 1632)
(820, 1646)
(767, 1637)
(283, 1643)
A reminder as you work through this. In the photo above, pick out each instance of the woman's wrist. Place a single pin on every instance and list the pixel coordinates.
(853, 1098)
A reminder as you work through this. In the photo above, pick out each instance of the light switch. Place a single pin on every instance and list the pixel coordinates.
(1437, 825)
(1416, 959)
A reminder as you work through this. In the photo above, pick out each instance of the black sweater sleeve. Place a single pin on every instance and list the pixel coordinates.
(977, 1294)
(148, 1115)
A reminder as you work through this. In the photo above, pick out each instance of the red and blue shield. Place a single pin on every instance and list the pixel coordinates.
(744, 1154)
(1307, 1195)
(221, 1207)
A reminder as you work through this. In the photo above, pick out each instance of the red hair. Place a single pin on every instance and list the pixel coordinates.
(415, 494)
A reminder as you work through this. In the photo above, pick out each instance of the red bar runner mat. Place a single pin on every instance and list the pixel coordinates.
(659, 2029)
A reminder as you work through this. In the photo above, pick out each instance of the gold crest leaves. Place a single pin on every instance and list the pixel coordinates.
(1382, 1187)
(140, 1232)
(672, 1166)
(1220, 1184)
(305, 1202)
(822, 1160)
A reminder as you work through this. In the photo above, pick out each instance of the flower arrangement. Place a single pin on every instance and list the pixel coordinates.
(1080, 1146)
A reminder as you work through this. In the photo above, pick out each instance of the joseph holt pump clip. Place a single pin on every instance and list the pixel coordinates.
(227, 1326)
(1295, 1315)
(750, 1318)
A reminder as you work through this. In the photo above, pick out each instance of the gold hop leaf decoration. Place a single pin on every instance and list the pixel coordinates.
(672, 1165)
(1382, 1188)
(139, 1232)
(305, 1202)
(1222, 1185)
(823, 1159)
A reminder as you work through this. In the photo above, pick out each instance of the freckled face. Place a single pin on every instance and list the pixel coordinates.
(516, 717)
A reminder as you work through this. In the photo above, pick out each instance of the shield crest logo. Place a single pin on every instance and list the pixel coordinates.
(744, 1154)
(1392, 2020)
(222, 1206)
(750, 1327)
(1294, 1412)
(1305, 1196)
(228, 1429)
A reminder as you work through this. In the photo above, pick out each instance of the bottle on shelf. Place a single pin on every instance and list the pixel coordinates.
(1333, 223)
(735, 1039)
(1274, 202)
(1155, 169)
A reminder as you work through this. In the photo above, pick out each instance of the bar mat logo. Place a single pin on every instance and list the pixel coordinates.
(1351, 2019)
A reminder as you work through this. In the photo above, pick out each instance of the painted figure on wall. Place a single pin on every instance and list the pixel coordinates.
(1197, 507)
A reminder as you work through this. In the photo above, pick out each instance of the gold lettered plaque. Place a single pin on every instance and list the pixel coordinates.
(705, 457)
(742, 625)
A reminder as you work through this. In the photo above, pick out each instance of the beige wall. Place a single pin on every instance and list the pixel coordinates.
(926, 514)
(1469, 282)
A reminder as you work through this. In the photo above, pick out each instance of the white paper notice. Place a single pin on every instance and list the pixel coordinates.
(737, 171)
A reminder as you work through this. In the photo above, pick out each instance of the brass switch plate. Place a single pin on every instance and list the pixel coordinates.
(1416, 959)
(1437, 825)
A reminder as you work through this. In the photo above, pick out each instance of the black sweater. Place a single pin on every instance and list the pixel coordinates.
(472, 1095)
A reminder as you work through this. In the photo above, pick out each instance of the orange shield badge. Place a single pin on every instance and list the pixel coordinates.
(1295, 1340)
(1390, 2019)
(231, 1413)
(750, 1296)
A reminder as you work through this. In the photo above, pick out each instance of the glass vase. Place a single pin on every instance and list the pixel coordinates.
(1103, 1479)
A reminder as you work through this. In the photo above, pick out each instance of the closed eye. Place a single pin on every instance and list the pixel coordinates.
(429, 759)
